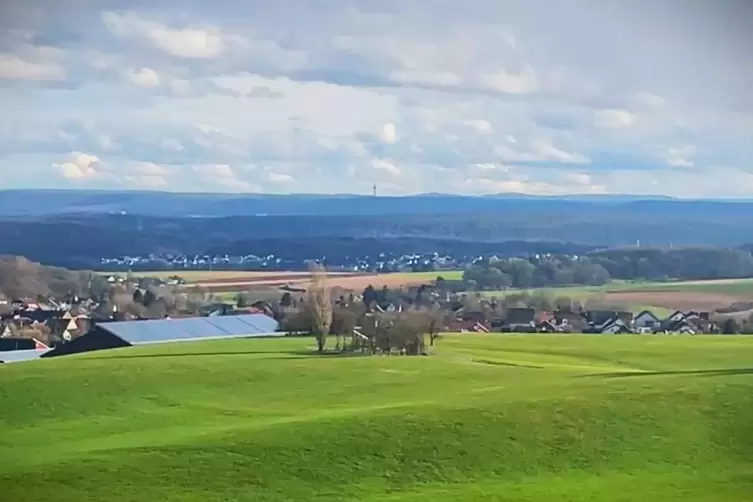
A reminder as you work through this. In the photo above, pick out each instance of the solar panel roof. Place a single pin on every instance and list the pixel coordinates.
(14, 356)
(193, 328)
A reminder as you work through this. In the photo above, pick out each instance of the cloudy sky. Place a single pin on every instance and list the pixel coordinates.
(332, 96)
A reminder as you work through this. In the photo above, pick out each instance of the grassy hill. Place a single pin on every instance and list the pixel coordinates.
(514, 418)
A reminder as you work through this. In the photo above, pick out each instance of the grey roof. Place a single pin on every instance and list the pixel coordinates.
(16, 356)
(193, 328)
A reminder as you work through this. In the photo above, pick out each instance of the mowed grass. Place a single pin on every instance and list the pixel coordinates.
(732, 287)
(488, 418)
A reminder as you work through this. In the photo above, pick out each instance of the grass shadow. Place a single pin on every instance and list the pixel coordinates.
(182, 354)
(510, 365)
(708, 373)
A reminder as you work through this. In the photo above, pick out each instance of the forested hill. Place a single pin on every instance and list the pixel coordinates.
(78, 228)
(166, 204)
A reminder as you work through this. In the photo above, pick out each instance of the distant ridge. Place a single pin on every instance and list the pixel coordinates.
(169, 204)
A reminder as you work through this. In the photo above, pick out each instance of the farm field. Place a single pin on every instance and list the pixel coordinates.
(234, 281)
(487, 417)
(659, 296)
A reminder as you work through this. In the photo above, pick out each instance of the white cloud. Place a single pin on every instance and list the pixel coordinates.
(386, 165)
(214, 171)
(488, 91)
(147, 175)
(151, 169)
(189, 43)
(524, 82)
(223, 177)
(680, 157)
(80, 166)
(643, 99)
(171, 145)
(180, 87)
(546, 151)
(389, 133)
(106, 143)
(579, 178)
(145, 77)
(613, 119)
(12, 67)
(541, 150)
(275, 177)
(481, 126)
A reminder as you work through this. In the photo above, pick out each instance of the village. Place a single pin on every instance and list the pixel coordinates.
(44, 323)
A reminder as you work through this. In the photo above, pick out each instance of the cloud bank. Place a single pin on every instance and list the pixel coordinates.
(485, 97)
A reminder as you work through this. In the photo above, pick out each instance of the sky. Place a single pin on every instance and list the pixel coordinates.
(336, 96)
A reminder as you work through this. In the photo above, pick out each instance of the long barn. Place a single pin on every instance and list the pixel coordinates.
(112, 335)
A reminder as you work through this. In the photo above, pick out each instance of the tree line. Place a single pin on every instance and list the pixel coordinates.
(599, 267)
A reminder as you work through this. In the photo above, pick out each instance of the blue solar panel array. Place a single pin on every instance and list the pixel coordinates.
(15, 356)
(193, 328)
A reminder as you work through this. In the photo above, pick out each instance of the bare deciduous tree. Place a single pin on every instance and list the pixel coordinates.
(319, 305)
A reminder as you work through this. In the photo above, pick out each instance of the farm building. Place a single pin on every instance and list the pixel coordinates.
(112, 335)
(21, 349)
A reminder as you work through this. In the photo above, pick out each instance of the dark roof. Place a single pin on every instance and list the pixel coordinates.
(649, 313)
(16, 344)
(600, 317)
(520, 316)
(41, 315)
(97, 339)
(567, 314)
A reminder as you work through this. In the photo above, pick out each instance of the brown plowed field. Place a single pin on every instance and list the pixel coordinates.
(267, 278)
(674, 299)
(343, 279)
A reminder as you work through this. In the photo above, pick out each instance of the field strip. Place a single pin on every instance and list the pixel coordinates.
(175, 435)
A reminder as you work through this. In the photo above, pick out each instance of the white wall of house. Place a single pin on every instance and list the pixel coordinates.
(646, 320)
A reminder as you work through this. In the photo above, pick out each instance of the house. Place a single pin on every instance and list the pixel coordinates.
(646, 320)
(70, 330)
(545, 322)
(5, 331)
(568, 321)
(678, 315)
(214, 309)
(18, 343)
(617, 327)
(690, 323)
(608, 321)
(465, 326)
(521, 320)
(475, 316)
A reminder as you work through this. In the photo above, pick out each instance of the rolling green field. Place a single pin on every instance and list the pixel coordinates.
(733, 287)
(487, 418)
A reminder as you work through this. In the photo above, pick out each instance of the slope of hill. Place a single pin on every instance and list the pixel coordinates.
(527, 418)
(21, 278)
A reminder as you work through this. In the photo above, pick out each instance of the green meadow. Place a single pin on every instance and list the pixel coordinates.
(732, 287)
(484, 418)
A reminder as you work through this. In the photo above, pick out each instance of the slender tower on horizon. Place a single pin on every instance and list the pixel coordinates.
(374, 189)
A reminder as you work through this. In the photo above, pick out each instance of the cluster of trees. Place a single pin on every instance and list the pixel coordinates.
(355, 324)
(524, 273)
(599, 267)
(22, 278)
